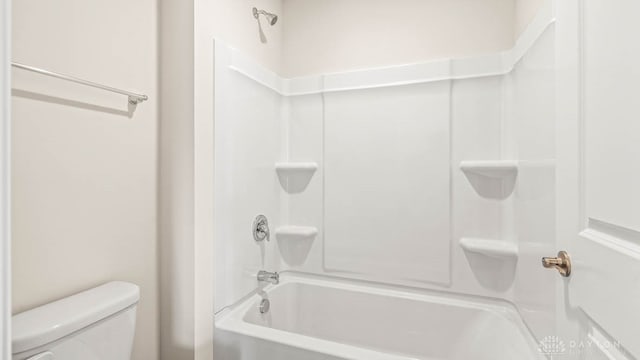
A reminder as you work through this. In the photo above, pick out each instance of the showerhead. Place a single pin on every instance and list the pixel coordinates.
(271, 18)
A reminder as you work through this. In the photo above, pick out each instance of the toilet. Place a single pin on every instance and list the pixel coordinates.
(96, 324)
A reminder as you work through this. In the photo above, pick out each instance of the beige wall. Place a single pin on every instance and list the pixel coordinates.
(232, 22)
(339, 35)
(187, 31)
(5, 239)
(525, 11)
(84, 170)
(176, 195)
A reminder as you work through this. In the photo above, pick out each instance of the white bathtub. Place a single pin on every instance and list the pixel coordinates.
(316, 318)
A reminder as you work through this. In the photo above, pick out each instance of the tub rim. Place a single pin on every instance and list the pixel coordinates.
(232, 318)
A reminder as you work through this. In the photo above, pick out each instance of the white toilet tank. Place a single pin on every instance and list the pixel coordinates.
(97, 324)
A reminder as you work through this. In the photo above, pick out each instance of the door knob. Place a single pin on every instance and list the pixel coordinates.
(562, 263)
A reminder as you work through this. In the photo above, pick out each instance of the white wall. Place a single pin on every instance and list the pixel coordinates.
(84, 168)
(339, 35)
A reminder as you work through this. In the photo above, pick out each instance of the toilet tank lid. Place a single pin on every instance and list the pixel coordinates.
(53, 321)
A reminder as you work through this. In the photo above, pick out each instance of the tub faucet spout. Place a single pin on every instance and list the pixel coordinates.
(265, 276)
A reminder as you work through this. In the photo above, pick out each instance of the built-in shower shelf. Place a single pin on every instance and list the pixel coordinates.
(295, 176)
(293, 232)
(490, 247)
(491, 168)
(296, 167)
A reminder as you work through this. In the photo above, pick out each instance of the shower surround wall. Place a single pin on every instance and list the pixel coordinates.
(248, 140)
(388, 199)
(530, 138)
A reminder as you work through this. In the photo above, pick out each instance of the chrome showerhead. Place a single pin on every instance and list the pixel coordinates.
(271, 18)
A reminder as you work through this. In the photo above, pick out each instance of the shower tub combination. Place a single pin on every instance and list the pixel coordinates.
(312, 318)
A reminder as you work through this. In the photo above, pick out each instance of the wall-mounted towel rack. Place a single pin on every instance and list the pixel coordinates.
(134, 98)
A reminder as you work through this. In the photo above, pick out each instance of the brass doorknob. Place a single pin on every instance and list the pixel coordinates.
(562, 263)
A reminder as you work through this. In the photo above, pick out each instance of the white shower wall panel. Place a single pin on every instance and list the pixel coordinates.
(530, 101)
(477, 119)
(473, 130)
(248, 140)
(305, 143)
(387, 182)
(530, 90)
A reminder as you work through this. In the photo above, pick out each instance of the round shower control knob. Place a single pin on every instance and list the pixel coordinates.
(260, 228)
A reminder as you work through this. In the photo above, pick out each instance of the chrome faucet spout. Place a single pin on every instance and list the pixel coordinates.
(266, 276)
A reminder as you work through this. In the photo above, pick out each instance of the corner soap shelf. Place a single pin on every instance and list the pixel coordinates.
(293, 232)
(295, 176)
(492, 168)
(494, 248)
(296, 167)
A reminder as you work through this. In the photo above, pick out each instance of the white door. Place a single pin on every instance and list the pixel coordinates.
(598, 188)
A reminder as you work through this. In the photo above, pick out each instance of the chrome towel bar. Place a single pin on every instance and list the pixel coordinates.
(134, 98)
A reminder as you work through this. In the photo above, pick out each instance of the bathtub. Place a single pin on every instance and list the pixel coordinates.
(313, 318)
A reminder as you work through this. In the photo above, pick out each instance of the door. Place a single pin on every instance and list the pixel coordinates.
(598, 183)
